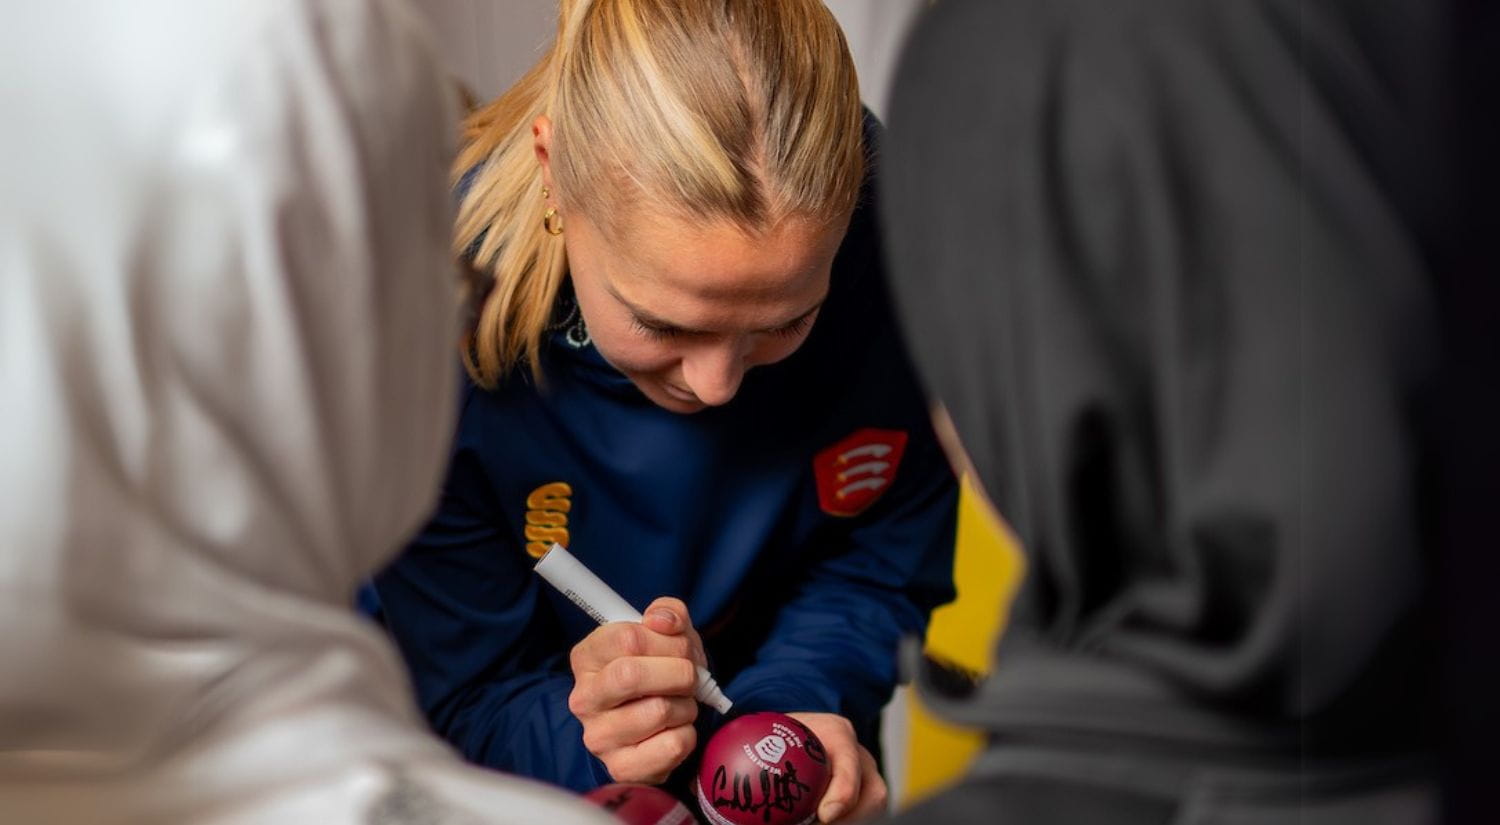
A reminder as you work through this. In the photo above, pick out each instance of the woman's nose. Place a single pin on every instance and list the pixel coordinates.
(713, 374)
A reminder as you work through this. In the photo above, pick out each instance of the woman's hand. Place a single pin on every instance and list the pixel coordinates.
(856, 791)
(633, 690)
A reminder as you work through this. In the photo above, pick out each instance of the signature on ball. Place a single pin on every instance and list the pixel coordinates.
(777, 792)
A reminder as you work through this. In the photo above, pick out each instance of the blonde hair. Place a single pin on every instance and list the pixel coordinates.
(746, 110)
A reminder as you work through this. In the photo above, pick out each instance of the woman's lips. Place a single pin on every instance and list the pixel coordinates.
(682, 395)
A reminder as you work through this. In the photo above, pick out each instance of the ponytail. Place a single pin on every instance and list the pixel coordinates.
(500, 220)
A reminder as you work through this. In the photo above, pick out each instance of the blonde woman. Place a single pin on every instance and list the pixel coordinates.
(685, 370)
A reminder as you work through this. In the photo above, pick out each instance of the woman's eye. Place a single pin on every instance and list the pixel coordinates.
(654, 331)
(795, 328)
(792, 330)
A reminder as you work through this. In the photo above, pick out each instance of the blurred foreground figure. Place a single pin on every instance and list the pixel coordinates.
(226, 340)
(1169, 266)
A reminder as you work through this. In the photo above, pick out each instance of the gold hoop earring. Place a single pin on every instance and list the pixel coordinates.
(552, 222)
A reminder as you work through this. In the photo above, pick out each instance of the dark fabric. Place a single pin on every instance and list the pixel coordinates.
(1169, 265)
(1470, 439)
(1030, 801)
(1196, 798)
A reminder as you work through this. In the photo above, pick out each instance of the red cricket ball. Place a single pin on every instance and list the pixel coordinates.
(762, 769)
(641, 805)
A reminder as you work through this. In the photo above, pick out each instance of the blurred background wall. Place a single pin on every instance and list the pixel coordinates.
(489, 44)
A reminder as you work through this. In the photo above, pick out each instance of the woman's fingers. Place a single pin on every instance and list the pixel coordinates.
(669, 616)
(633, 687)
(637, 721)
(872, 790)
(652, 760)
(843, 749)
(628, 679)
(625, 639)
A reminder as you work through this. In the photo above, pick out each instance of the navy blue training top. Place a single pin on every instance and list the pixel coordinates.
(808, 524)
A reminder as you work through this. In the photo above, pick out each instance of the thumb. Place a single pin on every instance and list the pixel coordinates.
(667, 616)
(843, 788)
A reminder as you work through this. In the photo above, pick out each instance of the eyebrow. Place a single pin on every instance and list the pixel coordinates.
(650, 320)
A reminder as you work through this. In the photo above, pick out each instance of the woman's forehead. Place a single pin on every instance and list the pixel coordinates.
(705, 275)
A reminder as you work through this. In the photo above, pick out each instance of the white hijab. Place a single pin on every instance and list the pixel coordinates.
(226, 385)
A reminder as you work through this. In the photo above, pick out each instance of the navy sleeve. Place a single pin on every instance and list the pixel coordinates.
(832, 647)
(481, 646)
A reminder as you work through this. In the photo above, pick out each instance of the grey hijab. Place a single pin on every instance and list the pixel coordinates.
(1164, 263)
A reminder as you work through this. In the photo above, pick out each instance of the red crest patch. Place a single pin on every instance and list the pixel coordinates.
(856, 471)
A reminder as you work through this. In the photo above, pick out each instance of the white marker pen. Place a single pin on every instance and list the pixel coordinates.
(594, 597)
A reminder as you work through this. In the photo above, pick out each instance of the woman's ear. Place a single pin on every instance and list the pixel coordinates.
(541, 143)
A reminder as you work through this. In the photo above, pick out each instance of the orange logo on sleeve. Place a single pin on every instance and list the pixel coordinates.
(547, 511)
